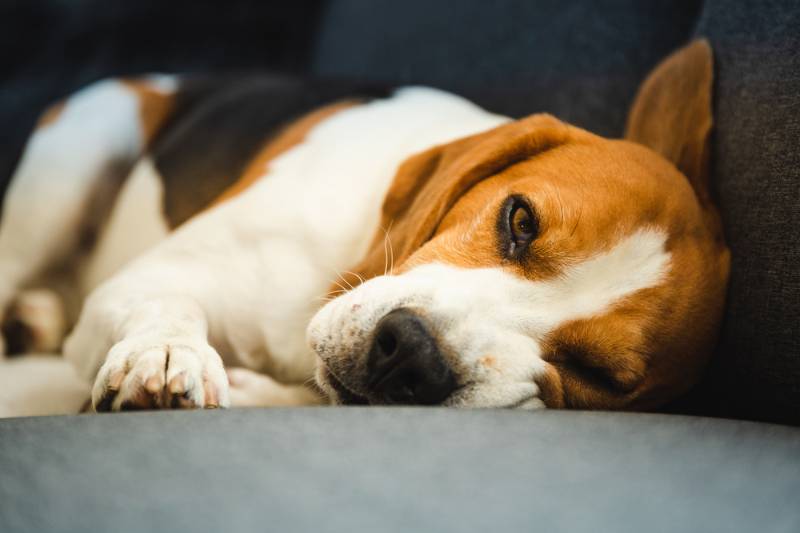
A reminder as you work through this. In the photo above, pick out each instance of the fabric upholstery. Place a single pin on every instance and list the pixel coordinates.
(395, 469)
(581, 61)
(756, 372)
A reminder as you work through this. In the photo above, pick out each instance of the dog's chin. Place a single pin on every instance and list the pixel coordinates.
(341, 395)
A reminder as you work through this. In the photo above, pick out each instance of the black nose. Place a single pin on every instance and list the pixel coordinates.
(405, 365)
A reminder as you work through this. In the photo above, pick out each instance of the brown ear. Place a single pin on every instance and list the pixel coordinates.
(428, 184)
(672, 112)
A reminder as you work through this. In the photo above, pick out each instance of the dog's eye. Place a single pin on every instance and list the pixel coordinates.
(520, 225)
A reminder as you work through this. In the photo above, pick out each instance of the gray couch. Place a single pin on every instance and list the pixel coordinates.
(337, 469)
(402, 469)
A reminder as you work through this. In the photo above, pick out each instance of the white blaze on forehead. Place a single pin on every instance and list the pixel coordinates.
(637, 262)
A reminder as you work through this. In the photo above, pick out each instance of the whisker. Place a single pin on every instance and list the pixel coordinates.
(385, 252)
(331, 295)
(342, 287)
(391, 253)
(360, 279)
(345, 280)
(388, 240)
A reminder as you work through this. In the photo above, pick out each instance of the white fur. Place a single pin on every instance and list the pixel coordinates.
(246, 277)
(164, 83)
(62, 166)
(136, 224)
(487, 312)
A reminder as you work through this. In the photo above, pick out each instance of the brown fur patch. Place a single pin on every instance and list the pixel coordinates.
(155, 106)
(51, 114)
(672, 112)
(488, 361)
(290, 137)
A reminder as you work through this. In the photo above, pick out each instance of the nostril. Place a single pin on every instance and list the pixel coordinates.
(387, 342)
(404, 364)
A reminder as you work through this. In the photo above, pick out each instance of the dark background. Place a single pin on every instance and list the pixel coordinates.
(580, 60)
(50, 48)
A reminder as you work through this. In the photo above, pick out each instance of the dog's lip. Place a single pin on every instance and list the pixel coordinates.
(346, 396)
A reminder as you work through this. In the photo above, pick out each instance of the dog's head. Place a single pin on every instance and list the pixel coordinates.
(537, 265)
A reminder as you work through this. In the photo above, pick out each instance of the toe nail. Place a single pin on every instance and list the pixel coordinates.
(179, 383)
(115, 380)
(153, 384)
(210, 395)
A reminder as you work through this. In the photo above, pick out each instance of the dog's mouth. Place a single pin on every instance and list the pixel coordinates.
(346, 396)
(525, 401)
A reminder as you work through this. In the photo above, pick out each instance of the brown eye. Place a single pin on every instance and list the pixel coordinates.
(522, 226)
(519, 224)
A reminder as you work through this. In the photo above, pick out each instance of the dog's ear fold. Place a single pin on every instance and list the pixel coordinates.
(428, 184)
(672, 112)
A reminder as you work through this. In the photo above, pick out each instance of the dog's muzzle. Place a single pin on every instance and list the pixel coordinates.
(405, 365)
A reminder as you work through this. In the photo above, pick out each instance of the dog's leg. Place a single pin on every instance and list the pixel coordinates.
(143, 335)
(146, 335)
(150, 344)
(69, 172)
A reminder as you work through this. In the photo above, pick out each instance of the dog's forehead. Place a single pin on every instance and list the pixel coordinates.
(600, 176)
(610, 184)
(586, 195)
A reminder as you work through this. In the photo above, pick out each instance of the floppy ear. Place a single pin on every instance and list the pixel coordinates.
(672, 113)
(428, 184)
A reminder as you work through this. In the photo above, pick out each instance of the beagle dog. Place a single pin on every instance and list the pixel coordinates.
(351, 245)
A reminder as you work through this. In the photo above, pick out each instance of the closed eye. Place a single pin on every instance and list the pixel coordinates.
(517, 226)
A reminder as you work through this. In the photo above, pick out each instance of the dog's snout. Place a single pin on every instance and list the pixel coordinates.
(405, 365)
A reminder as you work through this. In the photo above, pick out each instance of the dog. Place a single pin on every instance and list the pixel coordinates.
(350, 245)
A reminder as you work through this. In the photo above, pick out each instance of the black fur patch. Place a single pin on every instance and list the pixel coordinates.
(18, 336)
(220, 124)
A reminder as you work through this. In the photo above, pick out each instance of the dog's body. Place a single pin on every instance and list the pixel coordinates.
(517, 291)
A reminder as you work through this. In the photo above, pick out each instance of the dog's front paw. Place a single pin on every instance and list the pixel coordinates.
(147, 373)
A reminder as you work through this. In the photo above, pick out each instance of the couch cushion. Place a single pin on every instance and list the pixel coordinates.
(756, 372)
(385, 469)
(579, 60)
